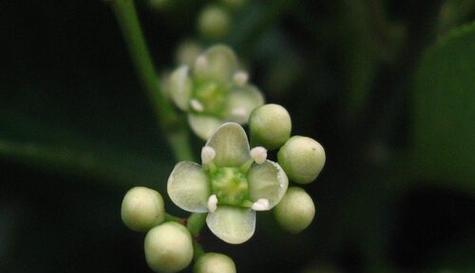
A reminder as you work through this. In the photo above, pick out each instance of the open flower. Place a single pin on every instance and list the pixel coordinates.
(214, 91)
(232, 183)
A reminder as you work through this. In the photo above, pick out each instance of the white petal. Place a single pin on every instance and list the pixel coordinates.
(207, 155)
(203, 126)
(218, 63)
(188, 187)
(242, 101)
(232, 225)
(230, 143)
(180, 86)
(267, 181)
(261, 205)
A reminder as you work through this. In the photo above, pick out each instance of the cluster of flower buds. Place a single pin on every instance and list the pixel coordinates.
(235, 179)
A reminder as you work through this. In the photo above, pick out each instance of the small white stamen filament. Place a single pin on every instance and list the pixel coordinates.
(212, 203)
(240, 78)
(201, 63)
(261, 205)
(207, 155)
(196, 105)
(259, 154)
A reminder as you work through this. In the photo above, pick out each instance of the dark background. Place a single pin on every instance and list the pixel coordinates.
(76, 132)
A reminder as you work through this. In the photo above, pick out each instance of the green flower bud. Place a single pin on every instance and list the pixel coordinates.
(214, 263)
(168, 248)
(302, 158)
(270, 126)
(214, 22)
(142, 209)
(295, 211)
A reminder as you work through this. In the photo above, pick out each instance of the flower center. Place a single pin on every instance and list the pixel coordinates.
(212, 96)
(230, 186)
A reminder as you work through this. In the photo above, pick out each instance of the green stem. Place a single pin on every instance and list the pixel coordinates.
(169, 121)
(169, 217)
(195, 223)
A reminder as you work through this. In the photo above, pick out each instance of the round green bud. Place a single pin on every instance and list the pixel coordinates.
(302, 159)
(214, 22)
(270, 126)
(168, 248)
(142, 208)
(214, 263)
(295, 211)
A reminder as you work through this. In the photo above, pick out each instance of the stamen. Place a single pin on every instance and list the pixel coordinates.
(240, 78)
(201, 63)
(261, 205)
(259, 154)
(207, 155)
(212, 203)
(196, 105)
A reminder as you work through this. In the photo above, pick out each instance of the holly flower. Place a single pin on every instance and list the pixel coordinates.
(232, 183)
(215, 90)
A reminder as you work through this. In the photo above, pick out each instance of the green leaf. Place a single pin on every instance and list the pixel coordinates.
(80, 131)
(444, 105)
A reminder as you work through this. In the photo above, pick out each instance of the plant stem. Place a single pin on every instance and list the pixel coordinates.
(169, 121)
(195, 223)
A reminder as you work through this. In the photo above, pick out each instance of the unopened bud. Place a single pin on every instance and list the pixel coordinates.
(142, 209)
(295, 211)
(168, 248)
(302, 158)
(270, 126)
(214, 263)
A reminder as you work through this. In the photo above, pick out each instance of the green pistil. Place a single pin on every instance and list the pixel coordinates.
(212, 96)
(230, 186)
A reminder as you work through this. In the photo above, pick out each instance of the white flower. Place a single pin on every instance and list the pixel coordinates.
(213, 91)
(230, 186)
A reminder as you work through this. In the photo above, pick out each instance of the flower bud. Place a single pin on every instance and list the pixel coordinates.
(214, 263)
(168, 248)
(302, 158)
(142, 209)
(295, 211)
(270, 126)
(214, 22)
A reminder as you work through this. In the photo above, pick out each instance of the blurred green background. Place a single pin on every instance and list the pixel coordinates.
(387, 87)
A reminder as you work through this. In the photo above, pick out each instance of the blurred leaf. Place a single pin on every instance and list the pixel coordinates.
(444, 102)
(36, 143)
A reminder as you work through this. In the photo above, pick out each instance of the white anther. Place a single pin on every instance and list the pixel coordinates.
(207, 154)
(240, 78)
(261, 205)
(212, 203)
(201, 63)
(196, 105)
(259, 154)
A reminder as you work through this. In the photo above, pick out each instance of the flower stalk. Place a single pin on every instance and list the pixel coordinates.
(169, 121)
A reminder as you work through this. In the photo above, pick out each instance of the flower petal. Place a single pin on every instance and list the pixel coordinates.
(218, 63)
(232, 225)
(188, 187)
(180, 87)
(242, 101)
(230, 143)
(203, 126)
(267, 181)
